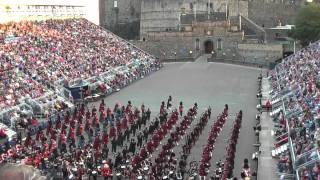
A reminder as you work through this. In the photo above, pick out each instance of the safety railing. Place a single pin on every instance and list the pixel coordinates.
(291, 147)
(285, 176)
(307, 158)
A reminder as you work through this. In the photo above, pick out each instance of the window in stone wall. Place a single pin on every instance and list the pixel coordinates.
(191, 6)
(219, 44)
(183, 11)
(197, 44)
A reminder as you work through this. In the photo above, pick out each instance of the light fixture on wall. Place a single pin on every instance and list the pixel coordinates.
(115, 4)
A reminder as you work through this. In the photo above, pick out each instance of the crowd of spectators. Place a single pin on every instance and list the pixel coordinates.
(296, 81)
(15, 85)
(72, 48)
(36, 57)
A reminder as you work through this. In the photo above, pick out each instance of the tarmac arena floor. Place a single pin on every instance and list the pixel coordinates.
(208, 84)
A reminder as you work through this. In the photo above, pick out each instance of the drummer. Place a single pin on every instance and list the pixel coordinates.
(105, 170)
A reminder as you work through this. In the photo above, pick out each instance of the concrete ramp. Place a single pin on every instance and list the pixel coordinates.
(202, 59)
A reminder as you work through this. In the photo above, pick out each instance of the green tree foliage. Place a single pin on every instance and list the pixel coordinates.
(307, 24)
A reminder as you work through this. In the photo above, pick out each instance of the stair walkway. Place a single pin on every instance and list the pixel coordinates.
(267, 169)
(202, 59)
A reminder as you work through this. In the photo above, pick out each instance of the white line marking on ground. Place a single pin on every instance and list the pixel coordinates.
(177, 62)
(248, 67)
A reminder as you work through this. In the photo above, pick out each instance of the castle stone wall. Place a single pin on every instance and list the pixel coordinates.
(124, 19)
(268, 13)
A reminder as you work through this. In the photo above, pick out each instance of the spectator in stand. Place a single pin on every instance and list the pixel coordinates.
(299, 74)
(52, 50)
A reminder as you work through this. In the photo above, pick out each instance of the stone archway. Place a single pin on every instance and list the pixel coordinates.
(208, 46)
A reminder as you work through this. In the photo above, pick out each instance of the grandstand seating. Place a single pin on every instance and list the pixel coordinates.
(296, 82)
(40, 60)
(54, 49)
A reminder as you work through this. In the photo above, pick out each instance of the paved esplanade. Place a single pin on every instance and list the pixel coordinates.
(208, 84)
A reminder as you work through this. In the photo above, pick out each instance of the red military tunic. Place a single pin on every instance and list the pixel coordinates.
(124, 123)
(105, 170)
(104, 137)
(112, 132)
(96, 143)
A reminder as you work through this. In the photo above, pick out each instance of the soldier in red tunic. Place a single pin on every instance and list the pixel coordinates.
(118, 124)
(124, 123)
(143, 109)
(112, 132)
(94, 109)
(101, 107)
(143, 153)
(58, 123)
(181, 108)
(82, 109)
(162, 108)
(88, 124)
(96, 143)
(103, 116)
(128, 108)
(104, 137)
(105, 170)
(88, 115)
(95, 120)
(49, 129)
(135, 162)
(67, 118)
(109, 115)
(150, 147)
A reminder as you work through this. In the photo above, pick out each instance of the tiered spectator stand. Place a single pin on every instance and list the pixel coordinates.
(282, 148)
(289, 111)
(65, 91)
(101, 85)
